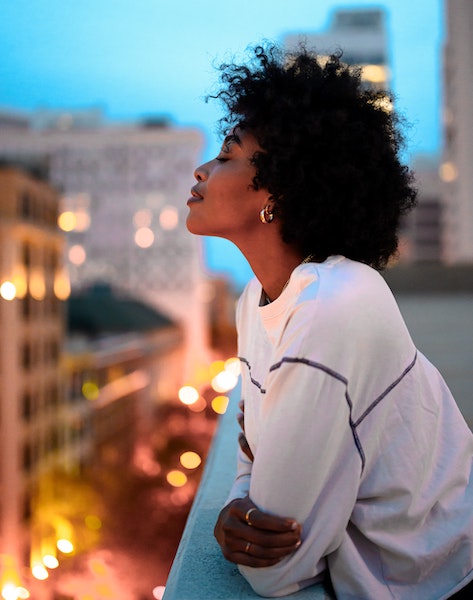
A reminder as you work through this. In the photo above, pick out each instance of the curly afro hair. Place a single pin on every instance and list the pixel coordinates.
(329, 154)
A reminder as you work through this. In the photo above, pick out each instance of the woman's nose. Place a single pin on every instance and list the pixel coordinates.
(201, 173)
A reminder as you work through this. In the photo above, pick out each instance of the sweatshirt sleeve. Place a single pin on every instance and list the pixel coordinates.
(241, 483)
(307, 466)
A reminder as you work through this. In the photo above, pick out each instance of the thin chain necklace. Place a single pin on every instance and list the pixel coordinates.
(267, 299)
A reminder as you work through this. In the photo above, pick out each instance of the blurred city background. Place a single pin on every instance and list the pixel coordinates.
(117, 348)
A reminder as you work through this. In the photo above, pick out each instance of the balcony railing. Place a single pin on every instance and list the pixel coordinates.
(199, 570)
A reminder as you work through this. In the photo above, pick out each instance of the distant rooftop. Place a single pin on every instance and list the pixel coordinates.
(359, 18)
(100, 309)
(73, 119)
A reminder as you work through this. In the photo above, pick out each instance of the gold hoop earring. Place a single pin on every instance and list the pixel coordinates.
(265, 215)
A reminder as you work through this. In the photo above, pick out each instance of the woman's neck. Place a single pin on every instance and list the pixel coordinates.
(273, 266)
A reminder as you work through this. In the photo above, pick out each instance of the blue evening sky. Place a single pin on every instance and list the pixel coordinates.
(137, 58)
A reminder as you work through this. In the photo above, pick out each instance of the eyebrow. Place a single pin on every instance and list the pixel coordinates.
(232, 137)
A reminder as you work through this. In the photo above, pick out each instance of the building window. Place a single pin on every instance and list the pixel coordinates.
(27, 406)
(25, 205)
(27, 457)
(26, 355)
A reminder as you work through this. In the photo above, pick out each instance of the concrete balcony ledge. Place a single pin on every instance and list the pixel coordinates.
(199, 570)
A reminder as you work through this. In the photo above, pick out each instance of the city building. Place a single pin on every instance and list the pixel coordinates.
(455, 170)
(362, 37)
(33, 287)
(123, 209)
(421, 232)
(361, 34)
(78, 387)
(122, 358)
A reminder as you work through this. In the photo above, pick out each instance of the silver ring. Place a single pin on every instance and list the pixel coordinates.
(247, 547)
(247, 516)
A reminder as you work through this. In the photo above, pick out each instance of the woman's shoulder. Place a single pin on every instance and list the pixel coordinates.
(340, 283)
(346, 301)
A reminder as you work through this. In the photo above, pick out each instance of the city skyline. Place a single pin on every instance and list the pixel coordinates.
(154, 59)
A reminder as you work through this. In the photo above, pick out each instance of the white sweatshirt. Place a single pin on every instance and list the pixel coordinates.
(357, 437)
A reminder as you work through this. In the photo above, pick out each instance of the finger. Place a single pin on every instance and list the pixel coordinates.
(243, 442)
(241, 405)
(253, 555)
(241, 421)
(262, 520)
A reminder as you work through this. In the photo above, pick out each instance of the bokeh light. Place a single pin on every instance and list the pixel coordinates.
(65, 546)
(169, 218)
(176, 478)
(144, 237)
(224, 381)
(90, 390)
(50, 561)
(188, 394)
(220, 404)
(12, 592)
(67, 221)
(62, 286)
(77, 255)
(8, 290)
(37, 284)
(158, 592)
(39, 572)
(190, 460)
(448, 171)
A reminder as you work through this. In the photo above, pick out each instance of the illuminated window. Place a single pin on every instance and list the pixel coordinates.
(448, 171)
(8, 290)
(374, 73)
(67, 221)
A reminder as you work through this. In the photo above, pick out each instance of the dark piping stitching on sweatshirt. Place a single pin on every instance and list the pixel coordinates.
(344, 380)
(387, 390)
(328, 371)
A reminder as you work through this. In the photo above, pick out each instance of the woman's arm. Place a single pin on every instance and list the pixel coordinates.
(247, 535)
(307, 467)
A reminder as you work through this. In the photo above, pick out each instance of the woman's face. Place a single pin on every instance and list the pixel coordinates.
(224, 202)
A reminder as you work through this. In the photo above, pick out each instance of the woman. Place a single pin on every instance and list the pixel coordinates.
(355, 464)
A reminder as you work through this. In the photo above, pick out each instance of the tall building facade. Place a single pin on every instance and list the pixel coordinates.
(33, 286)
(361, 35)
(123, 208)
(456, 170)
(421, 232)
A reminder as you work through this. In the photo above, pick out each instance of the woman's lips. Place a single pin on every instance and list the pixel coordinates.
(195, 196)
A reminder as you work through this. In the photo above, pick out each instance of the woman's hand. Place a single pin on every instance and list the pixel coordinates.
(251, 537)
